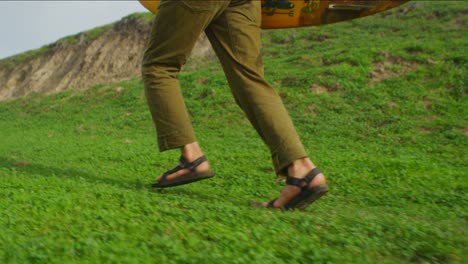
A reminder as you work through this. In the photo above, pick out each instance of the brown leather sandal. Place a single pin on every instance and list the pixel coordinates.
(306, 196)
(190, 177)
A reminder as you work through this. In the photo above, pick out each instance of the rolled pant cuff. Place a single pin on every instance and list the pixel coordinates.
(284, 156)
(174, 141)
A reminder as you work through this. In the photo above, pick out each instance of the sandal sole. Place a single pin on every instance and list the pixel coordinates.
(307, 198)
(184, 179)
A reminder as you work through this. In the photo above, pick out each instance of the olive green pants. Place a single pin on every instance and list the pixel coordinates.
(233, 28)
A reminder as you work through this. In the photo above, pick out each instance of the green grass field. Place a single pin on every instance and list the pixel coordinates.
(380, 104)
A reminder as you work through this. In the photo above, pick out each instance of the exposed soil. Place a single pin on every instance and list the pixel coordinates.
(113, 56)
(391, 66)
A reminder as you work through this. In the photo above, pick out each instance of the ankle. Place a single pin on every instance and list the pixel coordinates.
(192, 151)
(300, 167)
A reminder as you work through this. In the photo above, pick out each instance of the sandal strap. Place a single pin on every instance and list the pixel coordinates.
(309, 177)
(191, 165)
(184, 164)
(304, 182)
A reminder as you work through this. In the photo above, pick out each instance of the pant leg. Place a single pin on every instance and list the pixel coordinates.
(175, 30)
(236, 39)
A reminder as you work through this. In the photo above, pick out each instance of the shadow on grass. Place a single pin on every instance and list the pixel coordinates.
(26, 168)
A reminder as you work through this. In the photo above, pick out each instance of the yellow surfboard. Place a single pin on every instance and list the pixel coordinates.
(304, 13)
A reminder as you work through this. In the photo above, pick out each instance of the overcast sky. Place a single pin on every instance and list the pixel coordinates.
(26, 25)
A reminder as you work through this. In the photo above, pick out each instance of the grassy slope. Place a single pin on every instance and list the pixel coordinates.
(75, 167)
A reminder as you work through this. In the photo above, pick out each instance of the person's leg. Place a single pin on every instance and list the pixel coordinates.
(235, 36)
(176, 28)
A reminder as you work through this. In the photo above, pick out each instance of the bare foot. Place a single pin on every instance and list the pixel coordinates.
(298, 169)
(190, 152)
